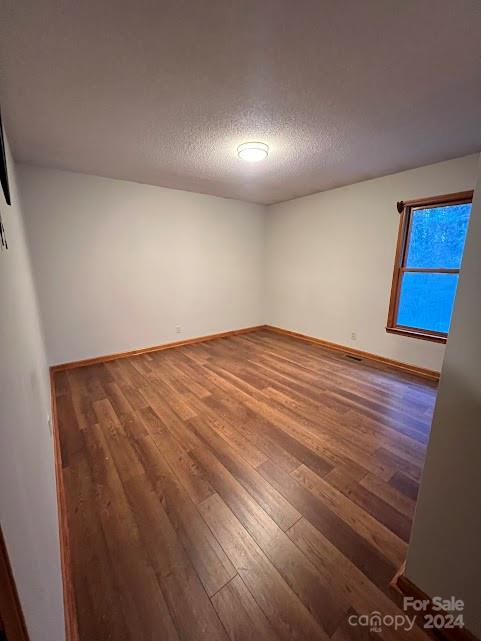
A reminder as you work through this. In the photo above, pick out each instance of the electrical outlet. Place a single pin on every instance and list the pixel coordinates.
(354, 336)
(178, 329)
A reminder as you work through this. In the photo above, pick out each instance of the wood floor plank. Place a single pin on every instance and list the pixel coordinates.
(234, 437)
(208, 558)
(170, 419)
(96, 593)
(253, 487)
(304, 430)
(140, 598)
(405, 485)
(119, 401)
(280, 510)
(286, 614)
(382, 511)
(186, 469)
(181, 587)
(364, 596)
(254, 428)
(294, 567)
(134, 396)
(347, 538)
(389, 494)
(385, 541)
(240, 614)
(71, 443)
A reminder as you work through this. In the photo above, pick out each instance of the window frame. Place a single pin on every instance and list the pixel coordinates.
(405, 209)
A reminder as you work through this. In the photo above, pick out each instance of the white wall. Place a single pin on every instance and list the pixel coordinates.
(118, 264)
(28, 504)
(330, 256)
(443, 557)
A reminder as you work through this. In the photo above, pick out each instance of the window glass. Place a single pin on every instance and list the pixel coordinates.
(426, 300)
(437, 236)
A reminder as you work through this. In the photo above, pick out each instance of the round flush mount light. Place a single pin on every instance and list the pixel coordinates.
(253, 151)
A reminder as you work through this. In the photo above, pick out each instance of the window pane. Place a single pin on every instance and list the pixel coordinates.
(426, 300)
(437, 236)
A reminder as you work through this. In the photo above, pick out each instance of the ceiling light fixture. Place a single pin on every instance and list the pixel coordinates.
(253, 151)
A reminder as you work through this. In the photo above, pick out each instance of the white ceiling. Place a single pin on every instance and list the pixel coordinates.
(162, 92)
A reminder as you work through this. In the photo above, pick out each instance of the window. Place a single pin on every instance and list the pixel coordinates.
(429, 251)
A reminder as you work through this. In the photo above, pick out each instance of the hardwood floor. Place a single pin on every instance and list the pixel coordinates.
(249, 488)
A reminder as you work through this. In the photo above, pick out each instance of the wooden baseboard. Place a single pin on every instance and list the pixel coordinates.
(70, 613)
(405, 367)
(407, 588)
(155, 348)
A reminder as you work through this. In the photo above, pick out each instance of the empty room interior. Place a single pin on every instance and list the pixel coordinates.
(240, 311)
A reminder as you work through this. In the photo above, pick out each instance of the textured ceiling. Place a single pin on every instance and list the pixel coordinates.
(162, 92)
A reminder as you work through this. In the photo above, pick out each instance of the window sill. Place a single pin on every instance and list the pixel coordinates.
(413, 333)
